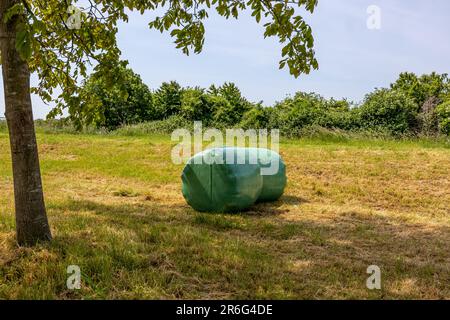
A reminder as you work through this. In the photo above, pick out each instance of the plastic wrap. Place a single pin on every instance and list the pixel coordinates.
(232, 179)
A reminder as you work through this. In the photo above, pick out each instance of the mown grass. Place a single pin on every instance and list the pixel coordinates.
(116, 210)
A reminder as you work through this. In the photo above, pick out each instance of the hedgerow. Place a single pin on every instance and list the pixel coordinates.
(411, 106)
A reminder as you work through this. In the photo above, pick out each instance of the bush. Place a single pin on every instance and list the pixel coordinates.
(293, 114)
(166, 126)
(391, 110)
(408, 107)
(305, 110)
(337, 114)
(258, 117)
(443, 115)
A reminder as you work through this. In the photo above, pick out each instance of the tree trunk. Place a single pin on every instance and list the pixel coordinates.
(31, 218)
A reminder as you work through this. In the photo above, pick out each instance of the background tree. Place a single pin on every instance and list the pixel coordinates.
(196, 105)
(168, 99)
(428, 91)
(111, 104)
(60, 44)
(383, 111)
(421, 89)
(230, 104)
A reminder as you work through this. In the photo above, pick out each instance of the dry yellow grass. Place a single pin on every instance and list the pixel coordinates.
(116, 210)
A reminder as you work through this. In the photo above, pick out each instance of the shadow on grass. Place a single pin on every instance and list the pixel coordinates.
(263, 209)
(151, 250)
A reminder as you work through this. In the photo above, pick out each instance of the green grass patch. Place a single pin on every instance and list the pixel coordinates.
(116, 210)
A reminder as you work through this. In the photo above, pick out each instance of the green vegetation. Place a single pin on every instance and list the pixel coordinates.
(116, 210)
(443, 112)
(114, 200)
(392, 111)
(111, 103)
(412, 106)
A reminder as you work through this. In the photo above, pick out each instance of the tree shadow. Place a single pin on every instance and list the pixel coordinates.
(274, 208)
(305, 258)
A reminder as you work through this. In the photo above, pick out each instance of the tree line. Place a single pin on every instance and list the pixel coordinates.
(412, 105)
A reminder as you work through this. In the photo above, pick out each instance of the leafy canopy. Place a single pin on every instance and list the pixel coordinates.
(113, 105)
(62, 53)
(421, 88)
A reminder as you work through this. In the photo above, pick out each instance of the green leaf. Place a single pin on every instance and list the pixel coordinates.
(23, 43)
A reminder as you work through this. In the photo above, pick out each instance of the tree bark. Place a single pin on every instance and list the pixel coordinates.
(31, 218)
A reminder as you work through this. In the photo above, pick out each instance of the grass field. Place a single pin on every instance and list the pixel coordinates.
(116, 210)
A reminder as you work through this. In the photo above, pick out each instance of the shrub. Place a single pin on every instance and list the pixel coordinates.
(293, 114)
(408, 107)
(343, 120)
(337, 114)
(388, 109)
(165, 126)
(443, 115)
(258, 117)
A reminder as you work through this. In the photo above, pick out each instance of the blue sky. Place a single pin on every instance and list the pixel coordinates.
(353, 60)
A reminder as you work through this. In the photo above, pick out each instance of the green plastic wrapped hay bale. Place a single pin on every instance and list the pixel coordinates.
(210, 184)
(273, 174)
(232, 179)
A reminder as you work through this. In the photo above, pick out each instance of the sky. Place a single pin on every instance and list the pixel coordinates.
(414, 35)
